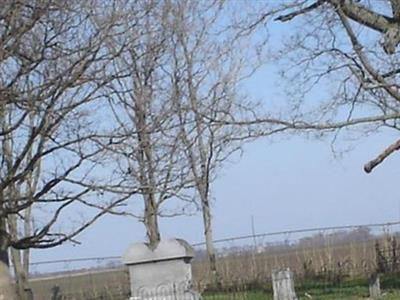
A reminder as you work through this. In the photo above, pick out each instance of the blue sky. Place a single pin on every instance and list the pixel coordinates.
(285, 184)
(288, 183)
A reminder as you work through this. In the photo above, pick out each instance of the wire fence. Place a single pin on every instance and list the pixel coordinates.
(321, 258)
(306, 239)
(333, 253)
(62, 266)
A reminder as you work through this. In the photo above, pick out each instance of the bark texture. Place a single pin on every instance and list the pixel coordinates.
(7, 291)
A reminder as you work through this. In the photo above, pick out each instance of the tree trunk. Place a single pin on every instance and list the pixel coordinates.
(151, 221)
(146, 164)
(21, 276)
(21, 270)
(208, 233)
(7, 291)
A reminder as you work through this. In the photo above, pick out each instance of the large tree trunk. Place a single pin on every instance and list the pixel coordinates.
(20, 270)
(7, 291)
(21, 276)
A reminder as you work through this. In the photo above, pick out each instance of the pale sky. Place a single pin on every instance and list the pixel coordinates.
(286, 184)
(289, 184)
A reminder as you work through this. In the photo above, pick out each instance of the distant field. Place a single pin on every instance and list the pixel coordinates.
(322, 271)
(114, 285)
(350, 259)
(104, 284)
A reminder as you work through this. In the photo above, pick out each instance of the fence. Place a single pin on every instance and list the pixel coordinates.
(326, 257)
(330, 253)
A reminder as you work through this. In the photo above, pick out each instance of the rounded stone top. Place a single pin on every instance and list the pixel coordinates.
(166, 250)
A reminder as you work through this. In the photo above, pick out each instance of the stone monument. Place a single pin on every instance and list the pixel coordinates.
(283, 285)
(374, 286)
(163, 273)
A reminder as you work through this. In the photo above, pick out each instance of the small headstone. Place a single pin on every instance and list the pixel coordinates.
(374, 286)
(163, 273)
(283, 285)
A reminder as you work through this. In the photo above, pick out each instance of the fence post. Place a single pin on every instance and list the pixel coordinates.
(283, 285)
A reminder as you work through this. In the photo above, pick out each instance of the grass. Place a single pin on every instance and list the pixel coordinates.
(114, 285)
(356, 289)
(351, 293)
(334, 294)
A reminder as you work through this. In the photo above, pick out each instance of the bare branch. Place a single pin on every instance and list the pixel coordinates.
(381, 157)
(290, 16)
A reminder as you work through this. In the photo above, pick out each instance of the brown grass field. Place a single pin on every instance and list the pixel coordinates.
(330, 265)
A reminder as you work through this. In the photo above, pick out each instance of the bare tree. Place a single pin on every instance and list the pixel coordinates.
(208, 65)
(147, 152)
(348, 46)
(54, 66)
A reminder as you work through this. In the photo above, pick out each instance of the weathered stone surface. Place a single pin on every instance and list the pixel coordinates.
(283, 285)
(374, 286)
(166, 250)
(161, 273)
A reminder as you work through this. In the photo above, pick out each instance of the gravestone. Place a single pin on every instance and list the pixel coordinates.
(283, 285)
(163, 273)
(374, 286)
